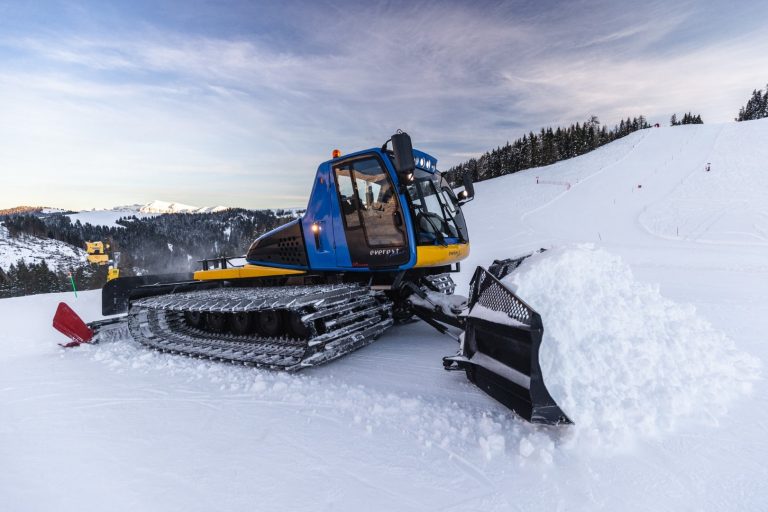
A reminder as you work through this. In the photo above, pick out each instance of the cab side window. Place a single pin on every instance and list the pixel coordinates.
(347, 197)
(368, 199)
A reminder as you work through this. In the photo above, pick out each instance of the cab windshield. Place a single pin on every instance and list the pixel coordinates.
(437, 216)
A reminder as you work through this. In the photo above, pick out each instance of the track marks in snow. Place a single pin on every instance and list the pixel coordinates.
(470, 436)
(715, 207)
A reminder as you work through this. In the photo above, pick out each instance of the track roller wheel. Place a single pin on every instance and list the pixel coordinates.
(270, 323)
(295, 326)
(216, 322)
(242, 323)
(194, 318)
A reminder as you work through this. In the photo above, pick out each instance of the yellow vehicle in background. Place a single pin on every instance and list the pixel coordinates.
(98, 253)
(114, 272)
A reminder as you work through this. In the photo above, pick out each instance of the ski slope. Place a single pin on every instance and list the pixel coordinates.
(653, 294)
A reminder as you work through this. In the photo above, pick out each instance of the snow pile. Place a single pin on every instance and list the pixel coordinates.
(620, 359)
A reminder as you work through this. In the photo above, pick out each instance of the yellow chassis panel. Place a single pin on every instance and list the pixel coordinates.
(426, 256)
(244, 272)
(440, 255)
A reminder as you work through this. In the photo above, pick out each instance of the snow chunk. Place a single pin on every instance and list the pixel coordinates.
(491, 440)
(526, 447)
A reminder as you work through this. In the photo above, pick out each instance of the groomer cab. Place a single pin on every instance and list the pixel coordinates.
(374, 210)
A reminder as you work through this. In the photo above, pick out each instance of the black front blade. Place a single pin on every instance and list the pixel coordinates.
(500, 352)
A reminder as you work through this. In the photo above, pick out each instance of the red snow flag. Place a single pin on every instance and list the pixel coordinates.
(72, 326)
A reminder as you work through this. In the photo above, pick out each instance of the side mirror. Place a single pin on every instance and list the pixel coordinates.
(468, 193)
(403, 150)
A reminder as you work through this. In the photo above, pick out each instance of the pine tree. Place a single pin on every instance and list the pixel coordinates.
(761, 109)
(756, 107)
(4, 284)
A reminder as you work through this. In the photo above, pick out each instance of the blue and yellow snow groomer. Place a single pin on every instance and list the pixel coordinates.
(381, 235)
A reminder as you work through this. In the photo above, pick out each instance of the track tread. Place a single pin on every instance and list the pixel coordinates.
(349, 316)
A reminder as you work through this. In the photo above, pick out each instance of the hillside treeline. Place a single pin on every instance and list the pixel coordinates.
(544, 148)
(687, 118)
(551, 145)
(151, 245)
(30, 278)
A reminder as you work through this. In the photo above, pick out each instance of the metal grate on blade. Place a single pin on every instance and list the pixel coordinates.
(488, 291)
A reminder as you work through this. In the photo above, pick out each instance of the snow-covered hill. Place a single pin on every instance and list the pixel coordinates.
(57, 255)
(653, 296)
(30, 209)
(110, 216)
(107, 218)
(158, 206)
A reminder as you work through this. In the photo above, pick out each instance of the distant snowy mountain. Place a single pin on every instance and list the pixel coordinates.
(30, 209)
(158, 206)
(58, 255)
(110, 216)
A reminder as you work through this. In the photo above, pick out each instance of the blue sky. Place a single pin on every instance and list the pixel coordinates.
(236, 103)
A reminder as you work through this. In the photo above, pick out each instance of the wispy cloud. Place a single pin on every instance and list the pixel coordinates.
(154, 108)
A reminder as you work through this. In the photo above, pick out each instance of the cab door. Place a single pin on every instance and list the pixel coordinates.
(371, 214)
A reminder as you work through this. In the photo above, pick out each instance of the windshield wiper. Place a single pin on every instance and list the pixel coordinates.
(438, 231)
(446, 212)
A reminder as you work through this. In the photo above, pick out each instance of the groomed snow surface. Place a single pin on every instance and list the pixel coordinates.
(653, 300)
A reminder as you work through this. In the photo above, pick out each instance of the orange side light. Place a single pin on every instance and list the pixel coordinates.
(336, 153)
